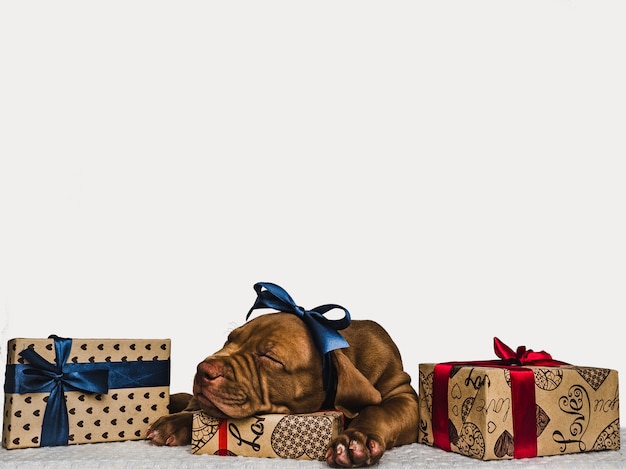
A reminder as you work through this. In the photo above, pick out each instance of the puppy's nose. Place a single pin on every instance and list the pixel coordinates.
(209, 370)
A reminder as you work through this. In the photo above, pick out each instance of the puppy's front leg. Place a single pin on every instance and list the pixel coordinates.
(174, 429)
(376, 429)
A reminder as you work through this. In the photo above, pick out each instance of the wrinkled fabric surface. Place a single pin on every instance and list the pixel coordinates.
(143, 455)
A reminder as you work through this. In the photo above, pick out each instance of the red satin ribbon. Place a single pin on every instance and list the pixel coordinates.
(441, 375)
(522, 395)
(222, 435)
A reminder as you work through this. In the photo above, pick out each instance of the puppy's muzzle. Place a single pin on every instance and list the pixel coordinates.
(208, 371)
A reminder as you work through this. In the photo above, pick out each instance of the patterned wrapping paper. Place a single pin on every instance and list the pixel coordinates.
(133, 391)
(576, 409)
(295, 436)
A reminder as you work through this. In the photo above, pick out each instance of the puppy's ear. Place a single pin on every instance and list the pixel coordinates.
(354, 391)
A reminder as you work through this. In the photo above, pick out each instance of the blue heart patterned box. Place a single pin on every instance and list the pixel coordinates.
(61, 391)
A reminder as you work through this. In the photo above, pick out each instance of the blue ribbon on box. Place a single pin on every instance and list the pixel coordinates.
(39, 375)
(322, 329)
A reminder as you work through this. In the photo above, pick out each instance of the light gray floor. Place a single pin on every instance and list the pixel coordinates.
(142, 454)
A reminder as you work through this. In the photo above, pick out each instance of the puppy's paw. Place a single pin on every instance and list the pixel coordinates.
(172, 430)
(354, 449)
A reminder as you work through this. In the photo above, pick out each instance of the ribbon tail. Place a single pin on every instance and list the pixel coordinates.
(328, 372)
(55, 430)
(326, 338)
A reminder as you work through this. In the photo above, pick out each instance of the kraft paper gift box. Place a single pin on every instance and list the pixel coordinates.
(68, 391)
(524, 405)
(294, 436)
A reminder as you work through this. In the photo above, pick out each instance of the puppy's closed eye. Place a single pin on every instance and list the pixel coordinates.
(270, 358)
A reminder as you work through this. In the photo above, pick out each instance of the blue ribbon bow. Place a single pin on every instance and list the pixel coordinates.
(43, 376)
(322, 329)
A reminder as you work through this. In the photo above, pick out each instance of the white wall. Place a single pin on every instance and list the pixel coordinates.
(454, 170)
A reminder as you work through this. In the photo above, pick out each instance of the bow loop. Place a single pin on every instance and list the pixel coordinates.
(324, 331)
(503, 351)
(522, 356)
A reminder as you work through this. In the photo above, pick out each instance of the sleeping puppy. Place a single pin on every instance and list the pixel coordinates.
(272, 364)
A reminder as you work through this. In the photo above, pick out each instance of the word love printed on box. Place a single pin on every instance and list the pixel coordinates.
(295, 436)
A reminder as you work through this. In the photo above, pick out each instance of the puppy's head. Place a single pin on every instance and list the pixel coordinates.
(268, 365)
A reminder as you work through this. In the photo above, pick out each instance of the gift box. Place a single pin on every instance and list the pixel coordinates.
(294, 436)
(526, 404)
(62, 391)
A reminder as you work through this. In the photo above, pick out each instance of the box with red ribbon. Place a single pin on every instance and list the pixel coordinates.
(523, 405)
(62, 391)
(294, 436)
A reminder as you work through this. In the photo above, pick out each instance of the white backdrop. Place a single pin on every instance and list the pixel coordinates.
(454, 170)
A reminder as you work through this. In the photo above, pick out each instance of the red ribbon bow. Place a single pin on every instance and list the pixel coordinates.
(523, 357)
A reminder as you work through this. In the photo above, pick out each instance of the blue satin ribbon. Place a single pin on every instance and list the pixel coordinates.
(322, 329)
(41, 376)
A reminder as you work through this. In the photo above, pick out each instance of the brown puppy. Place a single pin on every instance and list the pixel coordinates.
(271, 365)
